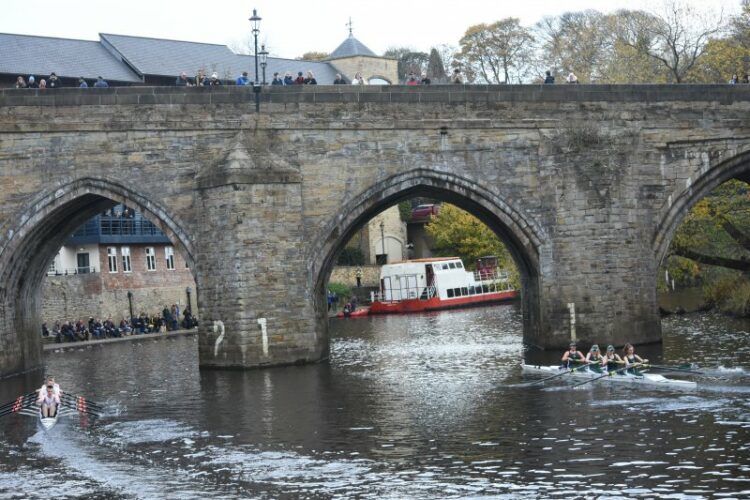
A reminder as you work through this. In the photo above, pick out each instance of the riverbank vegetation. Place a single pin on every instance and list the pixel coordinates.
(711, 249)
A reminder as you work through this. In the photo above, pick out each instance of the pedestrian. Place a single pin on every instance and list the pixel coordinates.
(243, 79)
(412, 80)
(310, 79)
(288, 80)
(214, 79)
(549, 79)
(359, 277)
(53, 81)
(339, 80)
(425, 80)
(572, 78)
(32, 83)
(746, 78)
(42, 84)
(277, 80)
(200, 79)
(359, 79)
(82, 83)
(100, 83)
(183, 80)
(456, 78)
(735, 80)
(300, 80)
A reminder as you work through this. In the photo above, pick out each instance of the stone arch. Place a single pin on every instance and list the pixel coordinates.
(378, 77)
(35, 233)
(523, 236)
(684, 198)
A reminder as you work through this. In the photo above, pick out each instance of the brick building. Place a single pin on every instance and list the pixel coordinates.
(110, 255)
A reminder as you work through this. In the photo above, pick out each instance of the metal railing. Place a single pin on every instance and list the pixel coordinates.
(72, 270)
(117, 226)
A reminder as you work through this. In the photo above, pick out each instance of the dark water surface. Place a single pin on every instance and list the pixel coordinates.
(425, 406)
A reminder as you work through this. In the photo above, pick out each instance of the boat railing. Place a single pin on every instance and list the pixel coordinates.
(421, 293)
(487, 274)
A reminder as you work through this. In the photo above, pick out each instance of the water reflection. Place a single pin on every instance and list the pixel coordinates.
(422, 406)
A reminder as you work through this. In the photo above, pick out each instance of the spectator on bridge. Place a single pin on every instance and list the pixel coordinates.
(746, 78)
(425, 80)
(43, 84)
(572, 78)
(214, 79)
(82, 333)
(56, 332)
(175, 317)
(277, 80)
(457, 78)
(20, 83)
(67, 332)
(183, 80)
(339, 80)
(735, 80)
(300, 80)
(82, 83)
(358, 79)
(288, 80)
(310, 79)
(53, 81)
(549, 79)
(243, 79)
(32, 83)
(200, 79)
(124, 327)
(100, 83)
(45, 330)
(412, 79)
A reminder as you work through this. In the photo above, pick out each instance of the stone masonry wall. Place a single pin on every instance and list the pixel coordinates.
(348, 275)
(586, 183)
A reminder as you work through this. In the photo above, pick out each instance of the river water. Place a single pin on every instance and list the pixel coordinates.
(422, 406)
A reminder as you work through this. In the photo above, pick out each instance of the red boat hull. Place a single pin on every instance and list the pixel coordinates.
(359, 312)
(435, 303)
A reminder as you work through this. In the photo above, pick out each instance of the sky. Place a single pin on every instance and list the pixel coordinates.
(292, 27)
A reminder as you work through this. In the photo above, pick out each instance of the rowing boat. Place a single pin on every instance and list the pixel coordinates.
(650, 379)
(47, 423)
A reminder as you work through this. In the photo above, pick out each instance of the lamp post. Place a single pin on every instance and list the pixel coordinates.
(188, 291)
(263, 62)
(255, 24)
(130, 304)
(382, 239)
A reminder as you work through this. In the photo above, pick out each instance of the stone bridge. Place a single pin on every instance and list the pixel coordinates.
(586, 184)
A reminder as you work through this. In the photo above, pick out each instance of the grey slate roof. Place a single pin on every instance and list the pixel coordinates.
(37, 55)
(324, 72)
(349, 48)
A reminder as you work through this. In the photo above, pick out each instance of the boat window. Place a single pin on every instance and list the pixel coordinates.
(464, 291)
(445, 266)
(452, 265)
(472, 291)
(485, 289)
(457, 292)
(450, 293)
(459, 265)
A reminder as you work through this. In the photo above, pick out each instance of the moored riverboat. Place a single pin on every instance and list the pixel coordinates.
(439, 283)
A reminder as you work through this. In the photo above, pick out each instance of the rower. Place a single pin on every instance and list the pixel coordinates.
(594, 359)
(631, 358)
(572, 357)
(48, 401)
(612, 360)
(50, 381)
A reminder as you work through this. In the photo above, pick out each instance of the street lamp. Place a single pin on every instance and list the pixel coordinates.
(382, 239)
(130, 304)
(263, 62)
(255, 24)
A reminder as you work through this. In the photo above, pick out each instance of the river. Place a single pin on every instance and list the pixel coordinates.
(422, 406)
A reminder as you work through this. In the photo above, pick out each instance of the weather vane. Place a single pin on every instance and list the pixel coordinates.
(350, 26)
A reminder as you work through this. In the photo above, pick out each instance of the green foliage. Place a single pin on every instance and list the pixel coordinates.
(404, 211)
(351, 256)
(409, 61)
(496, 53)
(344, 292)
(730, 294)
(313, 56)
(458, 233)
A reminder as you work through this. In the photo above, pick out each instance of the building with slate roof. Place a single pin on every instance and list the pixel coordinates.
(131, 60)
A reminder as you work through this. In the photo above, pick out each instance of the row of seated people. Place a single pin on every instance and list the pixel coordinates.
(77, 331)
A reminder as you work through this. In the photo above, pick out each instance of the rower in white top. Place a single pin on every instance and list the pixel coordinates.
(49, 398)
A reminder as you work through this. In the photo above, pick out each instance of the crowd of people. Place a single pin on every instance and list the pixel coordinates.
(53, 82)
(95, 328)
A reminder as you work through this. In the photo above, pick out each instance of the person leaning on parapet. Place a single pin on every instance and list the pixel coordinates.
(288, 80)
(359, 79)
(32, 83)
(549, 79)
(572, 78)
(412, 80)
(53, 82)
(100, 83)
(339, 80)
(310, 79)
(425, 80)
(243, 79)
(183, 80)
(300, 80)
(200, 79)
(82, 83)
(277, 79)
(20, 83)
(456, 78)
(214, 80)
(735, 80)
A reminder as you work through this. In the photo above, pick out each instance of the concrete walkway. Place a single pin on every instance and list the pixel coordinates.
(52, 346)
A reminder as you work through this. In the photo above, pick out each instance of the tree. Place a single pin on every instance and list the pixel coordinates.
(313, 56)
(577, 42)
(456, 232)
(677, 37)
(409, 61)
(496, 53)
(435, 69)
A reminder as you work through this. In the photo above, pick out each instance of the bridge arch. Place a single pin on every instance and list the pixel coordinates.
(522, 235)
(695, 189)
(32, 237)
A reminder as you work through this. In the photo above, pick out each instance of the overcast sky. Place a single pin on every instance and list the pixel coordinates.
(292, 27)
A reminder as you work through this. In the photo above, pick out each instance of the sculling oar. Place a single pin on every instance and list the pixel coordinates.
(82, 405)
(17, 404)
(81, 399)
(609, 374)
(676, 369)
(570, 370)
(15, 401)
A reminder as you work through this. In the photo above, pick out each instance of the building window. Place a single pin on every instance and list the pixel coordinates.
(52, 269)
(125, 259)
(84, 266)
(112, 259)
(169, 255)
(150, 259)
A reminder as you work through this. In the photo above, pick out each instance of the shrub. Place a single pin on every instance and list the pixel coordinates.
(351, 256)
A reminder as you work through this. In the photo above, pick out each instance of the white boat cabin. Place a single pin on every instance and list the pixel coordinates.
(445, 278)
